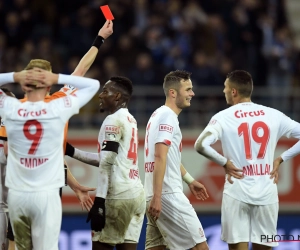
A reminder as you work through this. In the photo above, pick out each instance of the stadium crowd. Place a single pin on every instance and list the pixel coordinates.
(208, 38)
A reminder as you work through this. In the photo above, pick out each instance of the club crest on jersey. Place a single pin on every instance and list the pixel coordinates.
(131, 119)
(67, 102)
(110, 136)
(154, 113)
(212, 122)
(166, 127)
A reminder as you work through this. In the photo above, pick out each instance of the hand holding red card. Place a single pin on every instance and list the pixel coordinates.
(107, 12)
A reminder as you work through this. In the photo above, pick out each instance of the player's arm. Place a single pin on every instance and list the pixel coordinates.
(88, 59)
(6, 78)
(288, 154)
(294, 150)
(108, 154)
(83, 156)
(160, 163)
(87, 87)
(186, 177)
(196, 187)
(203, 147)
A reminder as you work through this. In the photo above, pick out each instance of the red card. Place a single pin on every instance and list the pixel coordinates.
(106, 12)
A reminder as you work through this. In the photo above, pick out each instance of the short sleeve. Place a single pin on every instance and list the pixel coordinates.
(112, 130)
(67, 106)
(286, 126)
(165, 129)
(214, 126)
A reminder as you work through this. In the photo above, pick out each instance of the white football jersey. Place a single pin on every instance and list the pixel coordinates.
(249, 134)
(163, 127)
(35, 146)
(3, 188)
(125, 182)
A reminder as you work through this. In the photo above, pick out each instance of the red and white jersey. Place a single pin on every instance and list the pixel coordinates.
(249, 134)
(3, 188)
(121, 127)
(163, 127)
(35, 146)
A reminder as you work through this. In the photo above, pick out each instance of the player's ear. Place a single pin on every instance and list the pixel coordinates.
(118, 96)
(234, 92)
(172, 92)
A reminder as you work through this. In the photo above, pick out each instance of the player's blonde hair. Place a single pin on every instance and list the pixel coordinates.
(39, 63)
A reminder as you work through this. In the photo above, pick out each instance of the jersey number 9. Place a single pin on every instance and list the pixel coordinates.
(34, 136)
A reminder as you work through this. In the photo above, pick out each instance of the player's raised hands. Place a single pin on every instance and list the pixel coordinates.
(106, 30)
(42, 78)
(24, 80)
(232, 171)
(274, 173)
(198, 190)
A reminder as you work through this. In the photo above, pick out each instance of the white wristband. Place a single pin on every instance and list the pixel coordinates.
(187, 178)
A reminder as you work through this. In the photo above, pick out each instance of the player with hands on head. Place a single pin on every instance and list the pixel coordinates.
(172, 221)
(248, 133)
(35, 129)
(119, 206)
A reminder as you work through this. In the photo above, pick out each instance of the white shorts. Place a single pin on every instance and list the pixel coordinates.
(242, 222)
(35, 218)
(177, 227)
(3, 229)
(124, 221)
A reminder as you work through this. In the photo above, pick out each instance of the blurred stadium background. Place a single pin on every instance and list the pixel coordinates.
(152, 37)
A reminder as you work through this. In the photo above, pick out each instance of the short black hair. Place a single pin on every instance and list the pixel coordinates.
(242, 81)
(123, 83)
(172, 80)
